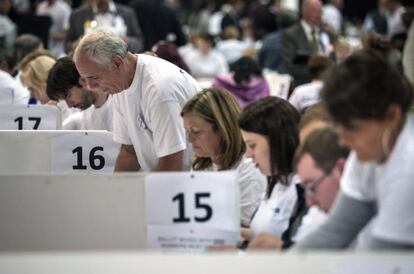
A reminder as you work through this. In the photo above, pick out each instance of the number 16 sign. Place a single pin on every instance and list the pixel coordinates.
(187, 212)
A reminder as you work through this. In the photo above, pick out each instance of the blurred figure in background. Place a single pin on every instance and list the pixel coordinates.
(59, 11)
(96, 14)
(245, 81)
(205, 61)
(168, 51)
(307, 95)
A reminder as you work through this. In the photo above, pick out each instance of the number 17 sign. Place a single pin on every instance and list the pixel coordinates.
(187, 212)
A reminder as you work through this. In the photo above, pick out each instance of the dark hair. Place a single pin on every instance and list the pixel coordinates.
(323, 146)
(168, 51)
(244, 68)
(25, 44)
(62, 77)
(318, 65)
(363, 87)
(278, 120)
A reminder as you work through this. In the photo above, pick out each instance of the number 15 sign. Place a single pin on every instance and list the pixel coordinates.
(187, 212)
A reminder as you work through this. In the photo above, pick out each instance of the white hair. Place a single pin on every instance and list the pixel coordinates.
(100, 46)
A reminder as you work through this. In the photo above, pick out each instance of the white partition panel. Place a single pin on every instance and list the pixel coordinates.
(57, 152)
(268, 263)
(30, 117)
(72, 212)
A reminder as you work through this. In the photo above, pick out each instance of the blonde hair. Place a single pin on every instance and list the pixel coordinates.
(35, 69)
(219, 108)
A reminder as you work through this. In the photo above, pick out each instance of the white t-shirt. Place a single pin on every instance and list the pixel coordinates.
(306, 95)
(311, 221)
(252, 187)
(390, 185)
(92, 118)
(206, 65)
(147, 114)
(11, 91)
(273, 215)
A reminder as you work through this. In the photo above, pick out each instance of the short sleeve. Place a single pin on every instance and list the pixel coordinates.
(395, 221)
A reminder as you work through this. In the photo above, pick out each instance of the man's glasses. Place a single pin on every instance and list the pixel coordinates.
(312, 186)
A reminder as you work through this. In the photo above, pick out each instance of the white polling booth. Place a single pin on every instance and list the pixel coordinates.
(72, 212)
(30, 117)
(75, 212)
(33, 151)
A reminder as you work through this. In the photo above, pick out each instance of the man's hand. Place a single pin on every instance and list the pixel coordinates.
(265, 241)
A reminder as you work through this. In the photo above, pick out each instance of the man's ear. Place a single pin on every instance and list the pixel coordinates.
(117, 60)
(340, 165)
(394, 115)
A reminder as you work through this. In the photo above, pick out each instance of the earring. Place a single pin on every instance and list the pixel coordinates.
(386, 141)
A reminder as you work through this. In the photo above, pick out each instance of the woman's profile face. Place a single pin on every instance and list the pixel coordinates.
(367, 137)
(202, 136)
(258, 149)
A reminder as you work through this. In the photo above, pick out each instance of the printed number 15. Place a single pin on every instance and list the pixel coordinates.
(198, 205)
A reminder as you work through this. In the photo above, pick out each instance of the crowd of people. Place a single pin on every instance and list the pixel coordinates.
(327, 167)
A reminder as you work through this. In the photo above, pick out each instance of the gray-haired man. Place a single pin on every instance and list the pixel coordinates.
(148, 95)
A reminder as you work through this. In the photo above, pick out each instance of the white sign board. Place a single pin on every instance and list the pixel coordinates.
(83, 152)
(188, 212)
(30, 117)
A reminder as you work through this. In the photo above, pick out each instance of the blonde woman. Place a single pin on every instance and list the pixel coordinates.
(35, 68)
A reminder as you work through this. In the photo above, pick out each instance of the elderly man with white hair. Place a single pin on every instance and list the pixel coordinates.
(148, 94)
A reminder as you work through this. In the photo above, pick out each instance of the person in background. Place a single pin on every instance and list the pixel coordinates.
(8, 29)
(269, 128)
(210, 120)
(303, 40)
(23, 46)
(59, 11)
(64, 83)
(245, 81)
(205, 61)
(314, 117)
(148, 94)
(376, 20)
(11, 91)
(332, 16)
(26, 44)
(168, 51)
(230, 45)
(158, 22)
(307, 95)
(394, 12)
(98, 14)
